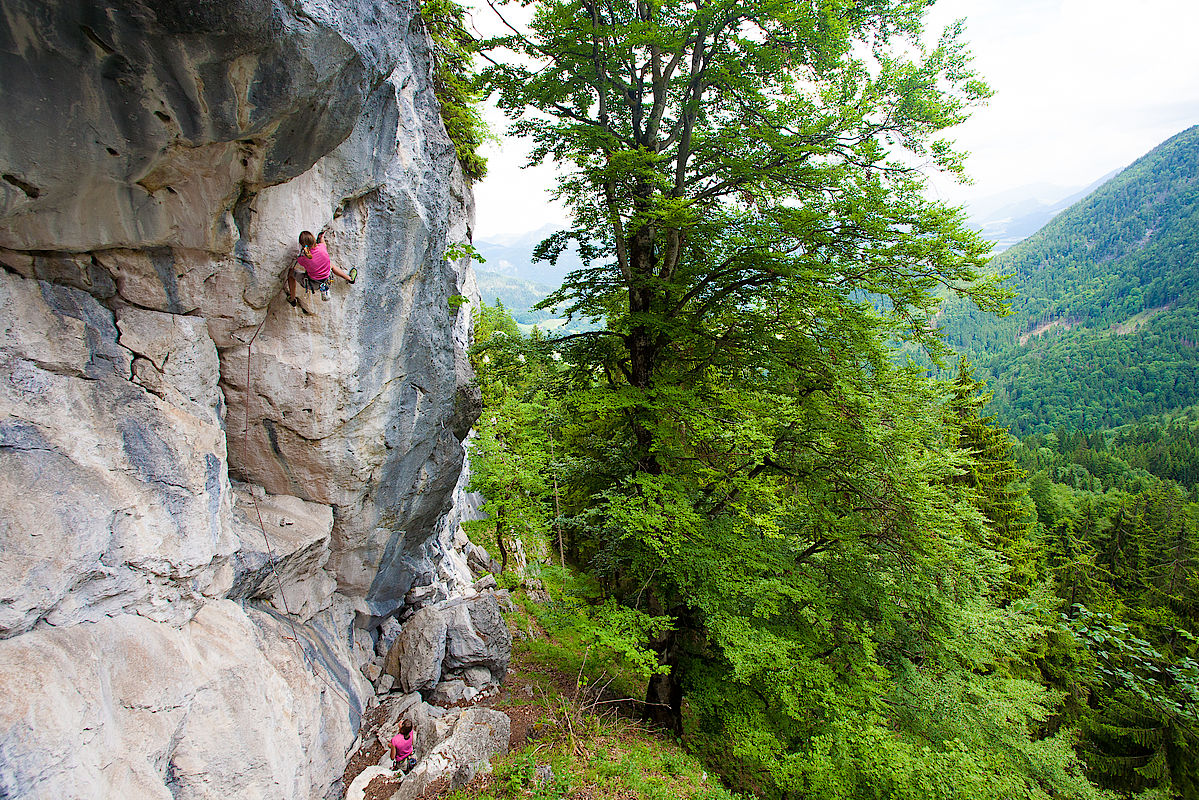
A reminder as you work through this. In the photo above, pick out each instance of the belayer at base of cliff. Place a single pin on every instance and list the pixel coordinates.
(314, 267)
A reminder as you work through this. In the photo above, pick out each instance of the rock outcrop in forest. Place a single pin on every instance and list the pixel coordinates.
(214, 503)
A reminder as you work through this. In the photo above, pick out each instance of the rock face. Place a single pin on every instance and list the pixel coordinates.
(450, 746)
(464, 639)
(126, 707)
(478, 734)
(212, 500)
(116, 500)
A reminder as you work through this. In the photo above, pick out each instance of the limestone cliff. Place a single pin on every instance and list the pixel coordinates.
(200, 535)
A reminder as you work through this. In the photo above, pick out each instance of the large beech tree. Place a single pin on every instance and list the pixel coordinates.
(746, 179)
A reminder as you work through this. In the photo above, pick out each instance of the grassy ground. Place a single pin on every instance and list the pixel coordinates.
(575, 732)
(608, 758)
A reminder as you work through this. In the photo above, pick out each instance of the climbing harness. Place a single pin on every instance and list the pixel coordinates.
(316, 286)
(321, 286)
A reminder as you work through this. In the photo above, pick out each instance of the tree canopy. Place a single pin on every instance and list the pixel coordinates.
(716, 152)
(743, 454)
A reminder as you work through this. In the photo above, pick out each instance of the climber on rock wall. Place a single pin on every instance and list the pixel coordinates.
(317, 267)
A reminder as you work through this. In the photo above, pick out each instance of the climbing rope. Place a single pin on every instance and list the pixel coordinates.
(294, 638)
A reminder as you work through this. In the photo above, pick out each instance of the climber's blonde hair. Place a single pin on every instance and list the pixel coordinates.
(307, 240)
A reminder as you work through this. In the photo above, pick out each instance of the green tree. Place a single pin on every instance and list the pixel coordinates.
(747, 459)
(990, 471)
(453, 82)
(1144, 733)
(1120, 553)
(736, 179)
(510, 451)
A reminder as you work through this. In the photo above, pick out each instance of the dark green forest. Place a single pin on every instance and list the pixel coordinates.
(1056, 610)
(826, 573)
(1104, 326)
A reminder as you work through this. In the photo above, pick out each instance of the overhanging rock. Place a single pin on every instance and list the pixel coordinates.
(178, 149)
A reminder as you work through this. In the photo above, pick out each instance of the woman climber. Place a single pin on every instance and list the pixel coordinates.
(314, 258)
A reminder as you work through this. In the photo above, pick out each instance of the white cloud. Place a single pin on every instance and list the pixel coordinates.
(1083, 87)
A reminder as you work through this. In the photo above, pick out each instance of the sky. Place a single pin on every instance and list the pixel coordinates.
(1082, 88)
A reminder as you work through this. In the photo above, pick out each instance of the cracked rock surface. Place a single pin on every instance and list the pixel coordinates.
(202, 537)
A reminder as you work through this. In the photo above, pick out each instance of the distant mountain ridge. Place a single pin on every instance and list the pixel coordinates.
(511, 276)
(518, 296)
(1105, 326)
(512, 255)
(1009, 218)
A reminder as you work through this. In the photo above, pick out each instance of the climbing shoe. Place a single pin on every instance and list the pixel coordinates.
(293, 301)
(353, 274)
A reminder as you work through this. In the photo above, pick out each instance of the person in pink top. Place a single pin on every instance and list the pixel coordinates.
(317, 267)
(400, 748)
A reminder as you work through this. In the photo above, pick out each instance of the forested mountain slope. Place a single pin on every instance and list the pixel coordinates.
(517, 295)
(1106, 320)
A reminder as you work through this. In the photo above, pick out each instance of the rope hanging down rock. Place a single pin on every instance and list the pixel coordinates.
(245, 440)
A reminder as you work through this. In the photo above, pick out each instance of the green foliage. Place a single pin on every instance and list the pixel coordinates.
(458, 250)
(1129, 457)
(601, 640)
(516, 295)
(832, 577)
(997, 484)
(1084, 379)
(453, 81)
(1121, 550)
(1133, 664)
(611, 759)
(510, 453)
(740, 453)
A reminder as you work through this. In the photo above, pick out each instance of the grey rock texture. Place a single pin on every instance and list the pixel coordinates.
(174, 359)
(477, 677)
(415, 658)
(126, 707)
(154, 112)
(282, 117)
(478, 734)
(433, 725)
(450, 744)
(389, 631)
(115, 500)
(192, 528)
(282, 552)
(477, 636)
(449, 640)
(447, 693)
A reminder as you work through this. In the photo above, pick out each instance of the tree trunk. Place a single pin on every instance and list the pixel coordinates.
(643, 343)
(664, 694)
(499, 540)
(558, 525)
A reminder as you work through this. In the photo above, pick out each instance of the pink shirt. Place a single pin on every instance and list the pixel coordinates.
(403, 746)
(318, 266)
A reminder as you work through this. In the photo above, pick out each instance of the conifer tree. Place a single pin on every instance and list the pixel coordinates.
(992, 474)
(1122, 548)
